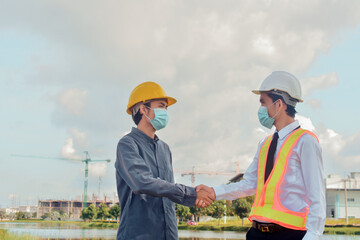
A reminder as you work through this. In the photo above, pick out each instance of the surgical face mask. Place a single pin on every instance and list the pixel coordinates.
(161, 118)
(264, 117)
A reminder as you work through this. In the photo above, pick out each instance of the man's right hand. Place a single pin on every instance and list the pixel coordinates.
(205, 196)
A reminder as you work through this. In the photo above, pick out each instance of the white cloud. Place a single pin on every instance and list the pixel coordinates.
(75, 145)
(319, 83)
(98, 169)
(80, 138)
(340, 153)
(68, 151)
(305, 122)
(73, 100)
(332, 141)
(314, 103)
(264, 45)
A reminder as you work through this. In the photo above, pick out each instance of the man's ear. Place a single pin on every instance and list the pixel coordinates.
(283, 104)
(142, 109)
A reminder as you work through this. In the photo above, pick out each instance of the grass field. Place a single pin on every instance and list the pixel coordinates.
(5, 235)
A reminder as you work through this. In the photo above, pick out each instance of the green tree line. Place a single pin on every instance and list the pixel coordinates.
(18, 215)
(102, 212)
(218, 209)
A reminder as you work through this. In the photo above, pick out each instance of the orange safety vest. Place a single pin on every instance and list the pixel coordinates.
(267, 206)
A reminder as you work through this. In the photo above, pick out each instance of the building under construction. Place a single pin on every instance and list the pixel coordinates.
(72, 207)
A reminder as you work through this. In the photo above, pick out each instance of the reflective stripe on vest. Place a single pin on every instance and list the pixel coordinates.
(267, 206)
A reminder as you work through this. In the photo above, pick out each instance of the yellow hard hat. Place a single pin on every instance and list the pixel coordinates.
(148, 91)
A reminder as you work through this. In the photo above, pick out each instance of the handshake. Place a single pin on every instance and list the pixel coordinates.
(205, 196)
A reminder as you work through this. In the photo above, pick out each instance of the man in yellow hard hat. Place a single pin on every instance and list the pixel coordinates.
(144, 173)
(287, 171)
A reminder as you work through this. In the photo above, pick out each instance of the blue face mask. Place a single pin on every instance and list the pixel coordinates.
(161, 118)
(264, 117)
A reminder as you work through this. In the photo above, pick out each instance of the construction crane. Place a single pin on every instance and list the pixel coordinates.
(192, 173)
(86, 161)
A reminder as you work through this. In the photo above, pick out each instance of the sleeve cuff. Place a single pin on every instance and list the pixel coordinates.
(189, 197)
(219, 190)
(311, 236)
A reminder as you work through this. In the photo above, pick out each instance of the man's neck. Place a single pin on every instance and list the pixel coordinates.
(148, 130)
(283, 122)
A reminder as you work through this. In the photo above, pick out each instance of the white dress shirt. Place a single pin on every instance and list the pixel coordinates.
(303, 184)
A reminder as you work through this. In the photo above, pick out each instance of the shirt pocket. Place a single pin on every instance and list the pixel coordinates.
(293, 173)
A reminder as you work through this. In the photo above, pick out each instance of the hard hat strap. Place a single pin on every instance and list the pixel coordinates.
(287, 98)
(135, 109)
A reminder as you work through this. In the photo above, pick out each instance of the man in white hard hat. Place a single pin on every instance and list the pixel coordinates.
(144, 173)
(287, 171)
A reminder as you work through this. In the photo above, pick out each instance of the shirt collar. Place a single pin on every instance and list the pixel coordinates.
(143, 135)
(288, 129)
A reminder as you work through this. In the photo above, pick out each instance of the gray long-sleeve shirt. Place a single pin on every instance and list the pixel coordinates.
(146, 188)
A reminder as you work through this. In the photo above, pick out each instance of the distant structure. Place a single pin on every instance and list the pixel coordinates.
(236, 178)
(28, 208)
(72, 207)
(192, 173)
(25, 209)
(343, 196)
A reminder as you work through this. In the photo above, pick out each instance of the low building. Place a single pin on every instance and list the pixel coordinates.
(343, 196)
(29, 209)
(11, 210)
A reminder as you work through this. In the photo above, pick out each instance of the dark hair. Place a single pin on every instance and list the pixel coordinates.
(137, 117)
(290, 110)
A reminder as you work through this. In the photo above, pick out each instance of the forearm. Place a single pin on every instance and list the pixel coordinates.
(244, 188)
(317, 212)
(145, 183)
(313, 173)
(234, 191)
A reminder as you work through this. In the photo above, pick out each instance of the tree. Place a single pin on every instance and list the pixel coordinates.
(11, 216)
(84, 214)
(27, 215)
(103, 211)
(20, 215)
(242, 208)
(64, 217)
(218, 209)
(45, 216)
(2, 214)
(182, 212)
(115, 211)
(55, 216)
(89, 212)
(198, 212)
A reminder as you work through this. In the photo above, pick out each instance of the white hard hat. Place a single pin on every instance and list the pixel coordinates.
(281, 81)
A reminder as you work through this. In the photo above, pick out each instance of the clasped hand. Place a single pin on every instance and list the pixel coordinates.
(205, 196)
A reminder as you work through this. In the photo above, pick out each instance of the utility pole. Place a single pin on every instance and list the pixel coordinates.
(346, 203)
(99, 186)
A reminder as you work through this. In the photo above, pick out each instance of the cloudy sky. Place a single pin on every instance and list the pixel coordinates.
(67, 69)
